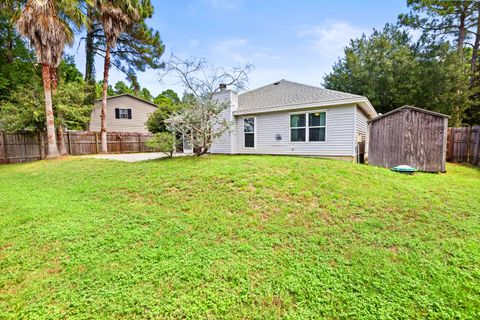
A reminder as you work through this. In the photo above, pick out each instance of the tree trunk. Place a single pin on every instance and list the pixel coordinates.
(9, 51)
(89, 48)
(476, 45)
(54, 85)
(462, 31)
(53, 80)
(10, 35)
(50, 121)
(61, 141)
(103, 116)
(201, 151)
(90, 58)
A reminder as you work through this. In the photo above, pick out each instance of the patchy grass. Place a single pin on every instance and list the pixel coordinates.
(237, 237)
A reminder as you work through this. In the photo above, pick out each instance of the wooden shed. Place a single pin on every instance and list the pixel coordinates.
(408, 136)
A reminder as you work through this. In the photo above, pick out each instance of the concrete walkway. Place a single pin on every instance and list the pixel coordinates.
(132, 157)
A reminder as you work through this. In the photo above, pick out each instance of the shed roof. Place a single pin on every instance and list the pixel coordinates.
(131, 96)
(437, 114)
(286, 95)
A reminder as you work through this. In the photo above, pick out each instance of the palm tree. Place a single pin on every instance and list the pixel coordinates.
(45, 24)
(115, 16)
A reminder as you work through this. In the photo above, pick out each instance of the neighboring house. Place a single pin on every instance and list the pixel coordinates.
(290, 118)
(125, 113)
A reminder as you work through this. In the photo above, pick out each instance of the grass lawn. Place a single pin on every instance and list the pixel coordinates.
(229, 237)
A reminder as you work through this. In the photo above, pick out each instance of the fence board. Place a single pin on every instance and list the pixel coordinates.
(3, 154)
(23, 147)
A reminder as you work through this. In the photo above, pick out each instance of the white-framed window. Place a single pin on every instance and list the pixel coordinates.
(298, 127)
(308, 126)
(121, 113)
(249, 132)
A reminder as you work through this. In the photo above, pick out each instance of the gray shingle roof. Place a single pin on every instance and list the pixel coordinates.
(287, 93)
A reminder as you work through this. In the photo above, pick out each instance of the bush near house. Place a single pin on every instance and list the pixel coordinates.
(163, 142)
(229, 237)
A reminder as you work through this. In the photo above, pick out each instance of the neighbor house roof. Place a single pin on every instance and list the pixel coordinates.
(131, 96)
(287, 95)
(413, 108)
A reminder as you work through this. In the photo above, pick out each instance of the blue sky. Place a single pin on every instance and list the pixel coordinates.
(293, 40)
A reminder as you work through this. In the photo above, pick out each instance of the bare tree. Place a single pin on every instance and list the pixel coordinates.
(199, 121)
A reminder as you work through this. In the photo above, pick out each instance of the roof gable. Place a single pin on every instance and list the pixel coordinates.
(283, 94)
(433, 113)
(130, 96)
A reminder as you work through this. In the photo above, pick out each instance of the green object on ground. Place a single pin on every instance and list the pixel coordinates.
(404, 169)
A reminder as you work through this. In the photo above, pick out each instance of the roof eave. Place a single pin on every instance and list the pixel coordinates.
(367, 107)
(362, 102)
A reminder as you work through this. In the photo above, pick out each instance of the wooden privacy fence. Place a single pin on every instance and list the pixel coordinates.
(463, 145)
(24, 147)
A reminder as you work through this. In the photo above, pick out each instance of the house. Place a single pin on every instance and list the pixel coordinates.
(409, 136)
(125, 113)
(289, 118)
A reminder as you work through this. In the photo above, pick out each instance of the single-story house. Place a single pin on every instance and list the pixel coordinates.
(125, 113)
(289, 118)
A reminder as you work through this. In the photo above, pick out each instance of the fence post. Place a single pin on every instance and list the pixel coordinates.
(139, 142)
(69, 143)
(4, 141)
(42, 145)
(476, 151)
(451, 147)
(469, 142)
(96, 142)
(25, 147)
(121, 146)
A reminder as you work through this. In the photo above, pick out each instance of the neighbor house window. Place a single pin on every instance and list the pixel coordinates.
(308, 127)
(123, 113)
(249, 132)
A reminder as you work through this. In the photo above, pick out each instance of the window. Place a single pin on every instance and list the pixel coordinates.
(316, 126)
(308, 127)
(249, 132)
(297, 127)
(123, 113)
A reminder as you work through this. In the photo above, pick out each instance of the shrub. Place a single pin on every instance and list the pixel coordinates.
(163, 142)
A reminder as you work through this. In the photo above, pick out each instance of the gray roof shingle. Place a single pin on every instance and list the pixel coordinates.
(286, 93)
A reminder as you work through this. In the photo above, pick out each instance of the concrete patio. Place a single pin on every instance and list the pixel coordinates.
(133, 157)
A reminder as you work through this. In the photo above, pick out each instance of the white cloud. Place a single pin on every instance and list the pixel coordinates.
(330, 38)
(240, 50)
(192, 43)
(231, 48)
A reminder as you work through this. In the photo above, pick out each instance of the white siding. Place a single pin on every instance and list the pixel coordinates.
(233, 124)
(339, 134)
(140, 112)
(361, 127)
(226, 142)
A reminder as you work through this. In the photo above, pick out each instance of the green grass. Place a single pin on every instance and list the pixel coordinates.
(237, 237)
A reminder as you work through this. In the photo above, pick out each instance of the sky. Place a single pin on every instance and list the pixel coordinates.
(293, 40)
